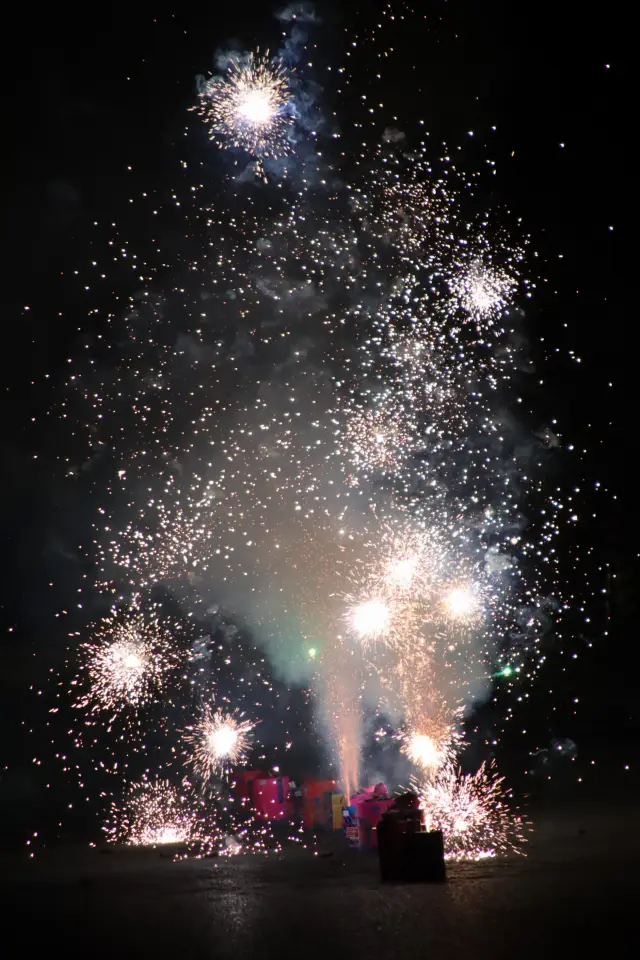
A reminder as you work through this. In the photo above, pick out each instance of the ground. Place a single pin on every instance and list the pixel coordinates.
(574, 895)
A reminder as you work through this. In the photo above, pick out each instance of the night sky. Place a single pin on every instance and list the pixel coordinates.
(94, 94)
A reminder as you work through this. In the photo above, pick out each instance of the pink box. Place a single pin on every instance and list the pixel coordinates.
(271, 798)
(369, 812)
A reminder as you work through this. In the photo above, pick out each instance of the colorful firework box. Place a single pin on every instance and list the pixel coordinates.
(317, 803)
(350, 823)
(271, 798)
(362, 815)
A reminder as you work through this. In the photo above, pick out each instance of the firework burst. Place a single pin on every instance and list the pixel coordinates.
(153, 812)
(378, 438)
(473, 812)
(426, 752)
(219, 741)
(483, 292)
(411, 561)
(461, 605)
(126, 662)
(372, 617)
(434, 738)
(247, 108)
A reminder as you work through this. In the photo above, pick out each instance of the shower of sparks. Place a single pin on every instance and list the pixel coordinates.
(483, 292)
(474, 813)
(411, 562)
(247, 108)
(219, 742)
(424, 751)
(170, 543)
(435, 740)
(125, 663)
(377, 438)
(373, 618)
(462, 605)
(153, 813)
(370, 620)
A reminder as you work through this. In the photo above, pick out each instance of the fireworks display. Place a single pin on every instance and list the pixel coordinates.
(302, 445)
(247, 107)
(473, 813)
(125, 663)
(153, 813)
(220, 741)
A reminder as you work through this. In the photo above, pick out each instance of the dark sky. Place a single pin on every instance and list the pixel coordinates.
(90, 94)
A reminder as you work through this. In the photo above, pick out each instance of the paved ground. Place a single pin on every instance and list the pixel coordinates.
(576, 895)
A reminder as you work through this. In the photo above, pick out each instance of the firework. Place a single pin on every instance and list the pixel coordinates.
(153, 812)
(379, 302)
(424, 751)
(126, 662)
(378, 438)
(411, 561)
(219, 741)
(247, 107)
(461, 605)
(372, 618)
(473, 812)
(483, 292)
(435, 739)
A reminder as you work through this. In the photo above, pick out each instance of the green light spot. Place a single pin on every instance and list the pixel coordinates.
(506, 672)
(312, 652)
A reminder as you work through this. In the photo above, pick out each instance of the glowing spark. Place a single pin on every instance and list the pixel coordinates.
(153, 813)
(125, 664)
(220, 741)
(473, 813)
(483, 291)
(247, 107)
(461, 604)
(370, 620)
(424, 751)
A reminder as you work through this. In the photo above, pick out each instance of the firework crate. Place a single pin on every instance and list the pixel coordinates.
(244, 781)
(317, 805)
(338, 802)
(407, 853)
(271, 798)
(369, 812)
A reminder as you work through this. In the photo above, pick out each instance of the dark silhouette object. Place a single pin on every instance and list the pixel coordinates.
(407, 853)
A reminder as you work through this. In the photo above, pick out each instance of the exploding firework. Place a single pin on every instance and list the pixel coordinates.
(411, 562)
(372, 617)
(483, 292)
(377, 439)
(248, 107)
(473, 812)
(370, 620)
(219, 741)
(154, 813)
(424, 751)
(461, 605)
(436, 738)
(126, 662)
